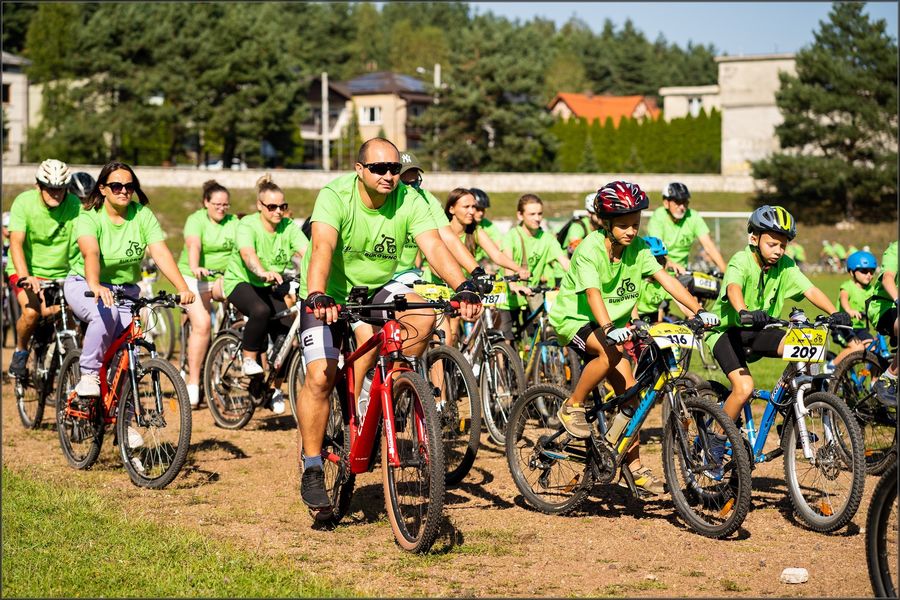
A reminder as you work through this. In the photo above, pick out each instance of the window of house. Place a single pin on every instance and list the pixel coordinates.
(370, 115)
(5, 93)
(694, 106)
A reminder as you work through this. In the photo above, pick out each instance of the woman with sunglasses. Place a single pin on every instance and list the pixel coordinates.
(113, 233)
(266, 242)
(40, 223)
(208, 241)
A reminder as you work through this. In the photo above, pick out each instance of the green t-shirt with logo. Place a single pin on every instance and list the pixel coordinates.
(122, 246)
(367, 251)
(677, 236)
(856, 298)
(762, 291)
(619, 284)
(652, 295)
(274, 250)
(882, 302)
(216, 241)
(577, 231)
(47, 233)
(410, 248)
(541, 249)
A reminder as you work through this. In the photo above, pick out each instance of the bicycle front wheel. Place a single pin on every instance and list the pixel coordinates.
(825, 490)
(502, 383)
(881, 536)
(711, 490)
(550, 467)
(852, 382)
(31, 387)
(224, 384)
(414, 490)
(79, 422)
(154, 427)
(459, 407)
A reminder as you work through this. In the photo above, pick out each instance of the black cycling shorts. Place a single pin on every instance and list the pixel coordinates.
(731, 349)
(885, 325)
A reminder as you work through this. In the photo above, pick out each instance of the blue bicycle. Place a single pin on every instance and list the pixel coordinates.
(822, 445)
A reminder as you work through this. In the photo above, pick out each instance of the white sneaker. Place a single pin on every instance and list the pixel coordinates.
(250, 367)
(278, 402)
(135, 439)
(88, 385)
(193, 394)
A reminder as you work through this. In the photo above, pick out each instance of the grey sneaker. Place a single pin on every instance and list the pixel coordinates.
(645, 480)
(574, 420)
(885, 390)
(88, 386)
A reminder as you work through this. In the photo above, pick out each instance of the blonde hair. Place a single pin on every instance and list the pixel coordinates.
(265, 184)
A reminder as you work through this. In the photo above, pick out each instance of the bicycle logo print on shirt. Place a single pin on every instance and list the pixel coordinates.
(386, 248)
(625, 292)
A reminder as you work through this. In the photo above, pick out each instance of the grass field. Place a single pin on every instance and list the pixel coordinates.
(52, 537)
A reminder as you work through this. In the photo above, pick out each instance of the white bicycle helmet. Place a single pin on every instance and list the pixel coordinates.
(53, 173)
(589, 202)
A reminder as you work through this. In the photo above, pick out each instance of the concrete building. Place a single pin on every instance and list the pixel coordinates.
(15, 107)
(745, 94)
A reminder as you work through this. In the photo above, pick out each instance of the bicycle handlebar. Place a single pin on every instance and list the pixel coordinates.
(43, 284)
(775, 322)
(347, 311)
(162, 299)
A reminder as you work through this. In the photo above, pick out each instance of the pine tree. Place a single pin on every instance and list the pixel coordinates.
(839, 135)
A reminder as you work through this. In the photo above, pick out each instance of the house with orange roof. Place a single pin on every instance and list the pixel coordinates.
(599, 107)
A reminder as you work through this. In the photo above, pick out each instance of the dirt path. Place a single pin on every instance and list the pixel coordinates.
(242, 486)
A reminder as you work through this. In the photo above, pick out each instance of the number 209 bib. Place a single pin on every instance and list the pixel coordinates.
(804, 345)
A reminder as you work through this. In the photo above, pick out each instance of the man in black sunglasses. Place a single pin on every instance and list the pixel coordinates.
(359, 224)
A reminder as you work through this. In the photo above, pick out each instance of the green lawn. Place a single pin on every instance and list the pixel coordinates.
(67, 542)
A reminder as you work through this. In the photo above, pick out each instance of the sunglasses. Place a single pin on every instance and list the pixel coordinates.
(274, 207)
(865, 271)
(117, 187)
(680, 202)
(380, 168)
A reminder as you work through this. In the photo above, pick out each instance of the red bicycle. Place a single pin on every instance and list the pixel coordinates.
(145, 397)
(402, 410)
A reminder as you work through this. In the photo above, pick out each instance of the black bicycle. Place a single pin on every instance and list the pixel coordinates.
(881, 536)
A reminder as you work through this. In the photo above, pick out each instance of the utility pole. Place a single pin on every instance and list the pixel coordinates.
(437, 88)
(326, 142)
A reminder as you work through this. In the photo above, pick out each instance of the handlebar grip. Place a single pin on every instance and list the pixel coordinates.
(746, 319)
(89, 294)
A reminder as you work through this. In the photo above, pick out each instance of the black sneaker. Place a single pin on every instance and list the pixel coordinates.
(17, 364)
(312, 489)
(885, 390)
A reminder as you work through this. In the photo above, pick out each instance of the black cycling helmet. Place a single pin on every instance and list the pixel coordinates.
(773, 219)
(676, 191)
(81, 184)
(481, 198)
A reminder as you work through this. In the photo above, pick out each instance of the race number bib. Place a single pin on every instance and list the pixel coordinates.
(432, 291)
(805, 345)
(705, 282)
(669, 335)
(497, 295)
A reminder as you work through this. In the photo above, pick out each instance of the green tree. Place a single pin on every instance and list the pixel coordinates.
(839, 135)
(415, 46)
(52, 41)
(16, 17)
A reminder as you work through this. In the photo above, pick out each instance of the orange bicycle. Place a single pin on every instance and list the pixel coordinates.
(145, 398)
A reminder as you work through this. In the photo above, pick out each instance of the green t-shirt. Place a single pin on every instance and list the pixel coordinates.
(216, 241)
(577, 231)
(783, 281)
(851, 249)
(856, 298)
(796, 251)
(492, 230)
(882, 302)
(652, 295)
(677, 236)
(274, 250)
(47, 233)
(619, 284)
(839, 251)
(541, 249)
(367, 253)
(410, 248)
(122, 246)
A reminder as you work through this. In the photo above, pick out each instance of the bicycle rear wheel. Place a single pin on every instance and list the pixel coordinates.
(550, 468)
(712, 504)
(502, 383)
(881, 536)
(825, 492)
(852, 382)
(79, 422)
(339, 481)
(459, 409)
(414, 491)
(224, 384)
(154, 428)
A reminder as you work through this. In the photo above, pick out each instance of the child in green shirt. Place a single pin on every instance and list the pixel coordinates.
(852, 299)
(595, 302)
(654, 300)
(883, 314)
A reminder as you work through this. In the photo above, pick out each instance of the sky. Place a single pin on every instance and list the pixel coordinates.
(733, 28)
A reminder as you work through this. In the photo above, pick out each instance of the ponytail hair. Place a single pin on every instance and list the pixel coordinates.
(265, 184)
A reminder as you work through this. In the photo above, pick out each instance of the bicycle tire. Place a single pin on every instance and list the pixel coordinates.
(414, 493)
(852, 383)
(296, 379)
(160, 328)
(163, 424)
(227, 397)
(714, 508)
(687, 380)
(459, 412)
(502, 382)
(80, 439)
(540, 467)
(830, 456)
(185, 335)
(881, 536)
(31, 388)
(339, 480)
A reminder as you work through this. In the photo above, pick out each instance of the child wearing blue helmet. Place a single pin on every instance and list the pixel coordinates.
(852, 298)
(653, 301)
